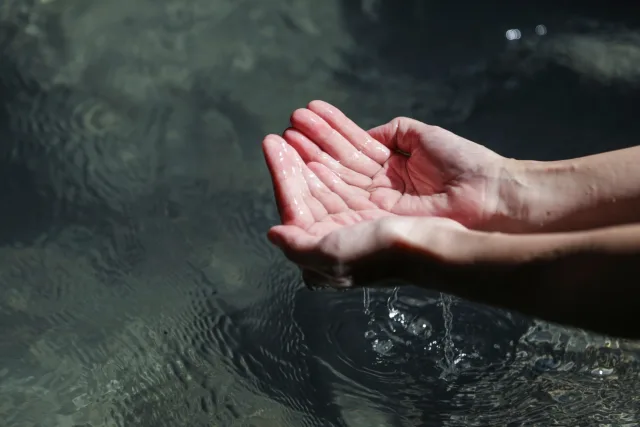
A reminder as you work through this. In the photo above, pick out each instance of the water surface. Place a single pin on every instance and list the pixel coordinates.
(136, 283)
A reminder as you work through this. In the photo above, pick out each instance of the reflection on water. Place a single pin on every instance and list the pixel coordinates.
(136, 283)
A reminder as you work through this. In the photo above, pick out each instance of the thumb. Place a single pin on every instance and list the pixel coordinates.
(385, 134)
(400, 134)
(296, 243)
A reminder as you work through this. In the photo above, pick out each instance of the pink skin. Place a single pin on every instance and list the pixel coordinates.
(329, 175)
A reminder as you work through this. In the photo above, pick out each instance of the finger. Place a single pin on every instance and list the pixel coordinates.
(332, 143)
(353, 133)
(320, 200)
(386, 134)
(354, 197)
(310, 152)
(400, 134)
(288, 183)
(330, 202)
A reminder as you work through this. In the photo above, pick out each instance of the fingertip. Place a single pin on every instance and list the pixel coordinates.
(273, 147)
(272, 142)
(386, 134)
(318, 104)
(298, 115)
(266, 142)
(290, 134)
(270, 138)
(306, 120)
(330, 113)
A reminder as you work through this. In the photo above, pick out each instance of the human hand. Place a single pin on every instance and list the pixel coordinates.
(325, 232)
(404, 167)
(318, 208)
(372, 251)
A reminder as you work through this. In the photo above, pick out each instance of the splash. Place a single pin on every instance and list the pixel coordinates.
(385, 328)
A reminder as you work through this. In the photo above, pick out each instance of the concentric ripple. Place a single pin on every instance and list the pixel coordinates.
(392, 348)
(402, 328)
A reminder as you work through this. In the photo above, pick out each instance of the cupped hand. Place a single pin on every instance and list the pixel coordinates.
(406, 167)
(329, 175)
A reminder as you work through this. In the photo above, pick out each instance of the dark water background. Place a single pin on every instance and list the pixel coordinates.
(136, 284)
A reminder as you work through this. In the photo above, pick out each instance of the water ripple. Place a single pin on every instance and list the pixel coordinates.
(391, 353)
(136, 283)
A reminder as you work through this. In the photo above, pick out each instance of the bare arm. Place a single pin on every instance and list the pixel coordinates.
(587, 279)
(578, 194)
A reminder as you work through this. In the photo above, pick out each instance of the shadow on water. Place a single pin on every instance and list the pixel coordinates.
(136, 283)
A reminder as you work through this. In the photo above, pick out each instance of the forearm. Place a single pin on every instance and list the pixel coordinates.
(589, 279)
(578, 194)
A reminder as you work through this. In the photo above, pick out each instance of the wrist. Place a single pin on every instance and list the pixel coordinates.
(535, 196)
(496, 268)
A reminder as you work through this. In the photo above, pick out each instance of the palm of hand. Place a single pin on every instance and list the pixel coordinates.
(328, 173)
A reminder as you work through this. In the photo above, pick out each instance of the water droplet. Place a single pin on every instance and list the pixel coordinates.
(382, 347)
(602, 372)
(513, 34)
(420, 328)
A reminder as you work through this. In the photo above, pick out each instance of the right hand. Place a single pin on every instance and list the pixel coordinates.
(406, 167)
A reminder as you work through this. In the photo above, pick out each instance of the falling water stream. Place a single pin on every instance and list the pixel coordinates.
(366, 299)
(448, 363)
(395, 318)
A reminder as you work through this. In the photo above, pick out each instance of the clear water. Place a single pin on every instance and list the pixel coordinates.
(136, 284)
